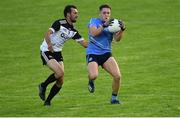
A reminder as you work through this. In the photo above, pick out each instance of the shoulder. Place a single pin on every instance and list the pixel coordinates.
(62, 21)
(95, 20)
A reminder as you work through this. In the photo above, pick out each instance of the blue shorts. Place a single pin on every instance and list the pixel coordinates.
(99, 59)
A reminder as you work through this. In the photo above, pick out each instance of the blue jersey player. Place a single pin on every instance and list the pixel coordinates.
(99, 51)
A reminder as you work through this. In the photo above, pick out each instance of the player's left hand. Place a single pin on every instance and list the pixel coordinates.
(122, 25)
(119, 33)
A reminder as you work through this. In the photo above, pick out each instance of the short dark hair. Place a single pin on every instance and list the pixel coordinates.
(104, 6)
(67, 9)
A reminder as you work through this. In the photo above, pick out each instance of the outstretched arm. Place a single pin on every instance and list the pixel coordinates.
(84, 43)
(48, 40)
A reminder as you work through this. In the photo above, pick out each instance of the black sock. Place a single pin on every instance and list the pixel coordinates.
(91, 81)
(49, 80)
(113, 94)
(53, 92)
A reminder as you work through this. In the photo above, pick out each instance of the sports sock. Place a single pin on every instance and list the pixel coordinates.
(91, 81)
(49, 80)
(114, 96)
(54, 90)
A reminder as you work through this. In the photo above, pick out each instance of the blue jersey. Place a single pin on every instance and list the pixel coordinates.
(101, 43)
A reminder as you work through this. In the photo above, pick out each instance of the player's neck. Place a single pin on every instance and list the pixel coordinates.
(69, 21)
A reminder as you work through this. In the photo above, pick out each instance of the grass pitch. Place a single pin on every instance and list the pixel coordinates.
(148, 57)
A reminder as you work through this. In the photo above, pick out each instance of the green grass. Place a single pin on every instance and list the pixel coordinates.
(148, 57)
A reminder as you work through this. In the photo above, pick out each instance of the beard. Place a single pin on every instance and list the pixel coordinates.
(73, 20)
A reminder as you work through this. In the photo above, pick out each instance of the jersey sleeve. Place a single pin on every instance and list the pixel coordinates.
(55, 26)
(93, 22)
(77, 37)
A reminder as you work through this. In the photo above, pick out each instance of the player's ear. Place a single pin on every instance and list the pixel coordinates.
(68, 14)
(99, 13)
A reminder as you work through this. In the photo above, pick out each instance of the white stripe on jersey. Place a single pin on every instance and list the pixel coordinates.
(81, 39)
(45, 57)
(52, 30)
(58, 39)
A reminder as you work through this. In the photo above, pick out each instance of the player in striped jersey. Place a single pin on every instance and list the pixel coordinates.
(61, 31)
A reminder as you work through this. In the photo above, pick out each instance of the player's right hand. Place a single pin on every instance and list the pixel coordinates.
(50, 47)
(107, 23)
(122, 25)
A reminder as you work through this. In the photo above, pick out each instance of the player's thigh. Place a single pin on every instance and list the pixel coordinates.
(112, 67)
(93, 69)
(56, 67)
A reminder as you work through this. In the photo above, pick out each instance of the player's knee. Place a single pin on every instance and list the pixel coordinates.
(93, 76)
(117, 77)
(60, 82)
(59, 74)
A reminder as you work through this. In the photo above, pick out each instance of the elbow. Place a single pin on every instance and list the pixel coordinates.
(93, 33)
(117, 40)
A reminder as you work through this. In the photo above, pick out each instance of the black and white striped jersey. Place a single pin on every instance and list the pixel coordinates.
(62, 31)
